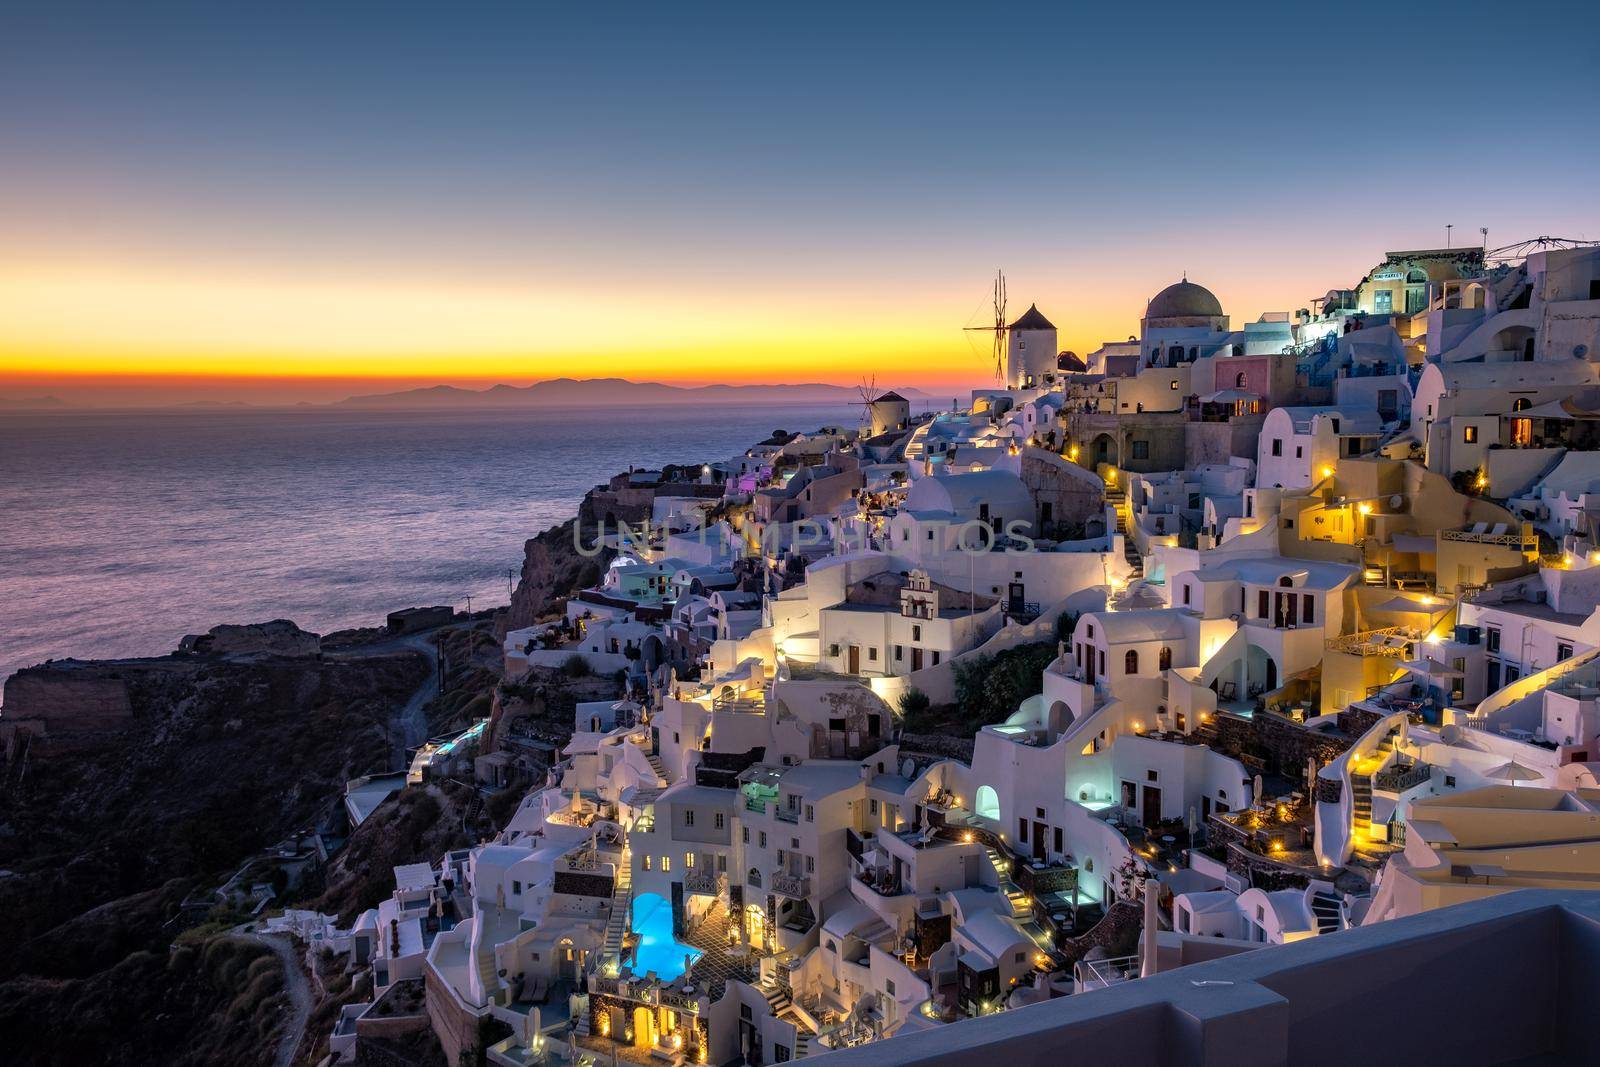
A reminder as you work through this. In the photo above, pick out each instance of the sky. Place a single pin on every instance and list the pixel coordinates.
(289, 201)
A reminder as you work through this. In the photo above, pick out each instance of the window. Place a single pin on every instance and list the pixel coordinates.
(688, 861)
(811, 864)
(1308, 611)
(1174, 383)
(1058, 839)
(916, 631)
(833, 650)
(1166, 658)
(1021, 956)
(647, 862)
(1492, 639)
(1151, 776)
(1563, 651)
(1141, 450)
(1449, 781)
(1469, 435)
(744, 834)
(1263, 604)
(872, 806)
(1512, 674)
(666, 864)
(1277, 446)
(1383, 302)
(936, 657)
(888, 986)
(1130, 662)
(762, 840)
(516, 889)
(688, 817)
(1186, 596)
(811, 813)
(1299, 452)
(899, 653)
(717, 821)
(872, 653)
(1022, 830)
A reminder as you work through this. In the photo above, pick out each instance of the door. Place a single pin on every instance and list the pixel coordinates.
(1018, 598)
(855, 659)
(1088, 665)
(916, 659)
(1152, 805)
(1039, 840)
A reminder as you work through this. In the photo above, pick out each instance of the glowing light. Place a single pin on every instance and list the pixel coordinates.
(1365, 509)
(969, 837)
(1072, 453)
(1327, 472)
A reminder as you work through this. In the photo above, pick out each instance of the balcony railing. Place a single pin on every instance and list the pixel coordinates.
(786, 814)
(702, 883)
(1398, 779)
(790, 885)
(1097, 974)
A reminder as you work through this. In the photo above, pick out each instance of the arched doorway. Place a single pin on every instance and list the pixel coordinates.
(987, 803)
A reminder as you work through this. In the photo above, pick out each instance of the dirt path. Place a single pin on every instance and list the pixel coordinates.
(409, 727)
(299, 989)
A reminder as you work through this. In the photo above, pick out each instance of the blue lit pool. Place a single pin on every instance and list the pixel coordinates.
(658, 951)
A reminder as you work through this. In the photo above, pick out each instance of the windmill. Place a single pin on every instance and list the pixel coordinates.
(868, 392)
(999, 327)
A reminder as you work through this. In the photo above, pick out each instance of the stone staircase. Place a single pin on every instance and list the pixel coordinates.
(621, 900)
(1361, 804)
(1361, 787)
(658, 767)
(483, 959)
(778, 999)
(780, 1003)
(1021, 906)
(1328, 910)
(1118, 499)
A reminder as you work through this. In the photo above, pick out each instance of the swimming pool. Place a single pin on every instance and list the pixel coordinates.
(658, 951)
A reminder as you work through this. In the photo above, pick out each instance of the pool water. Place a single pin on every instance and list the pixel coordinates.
(658, 951)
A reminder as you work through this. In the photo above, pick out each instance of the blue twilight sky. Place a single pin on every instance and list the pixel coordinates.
(222, 188)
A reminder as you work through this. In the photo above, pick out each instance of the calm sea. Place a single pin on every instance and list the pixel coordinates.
(121, 532)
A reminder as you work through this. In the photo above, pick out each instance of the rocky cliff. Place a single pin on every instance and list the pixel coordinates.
(154, 779)
(552, 568)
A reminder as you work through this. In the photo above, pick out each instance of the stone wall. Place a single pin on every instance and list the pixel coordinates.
(1264, 873)
(945, 746)
(1117, 933)
(63, 699)
(456, 1028)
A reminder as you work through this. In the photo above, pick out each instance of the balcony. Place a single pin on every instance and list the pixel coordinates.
(702, 883)
(785, 814)
(795, 886)
(1398, 778)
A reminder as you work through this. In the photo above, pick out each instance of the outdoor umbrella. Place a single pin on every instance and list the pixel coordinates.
(1515, 772)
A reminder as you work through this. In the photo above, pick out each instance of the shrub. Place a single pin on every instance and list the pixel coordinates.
(990, 688)
(576, 666)
(913, 702)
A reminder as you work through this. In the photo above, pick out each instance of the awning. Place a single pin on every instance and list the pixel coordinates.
(1432, 668)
